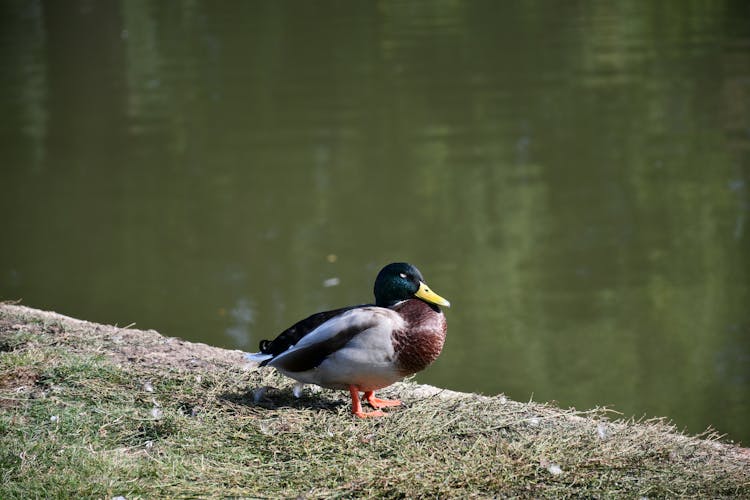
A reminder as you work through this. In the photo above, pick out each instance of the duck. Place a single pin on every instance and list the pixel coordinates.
(364, 348)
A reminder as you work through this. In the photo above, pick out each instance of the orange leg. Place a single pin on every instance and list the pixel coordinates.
(380, 403)
(357, 406)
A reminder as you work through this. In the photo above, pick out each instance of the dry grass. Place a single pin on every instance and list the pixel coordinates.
(99, 411)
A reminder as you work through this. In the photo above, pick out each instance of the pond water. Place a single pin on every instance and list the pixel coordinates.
(573, 176)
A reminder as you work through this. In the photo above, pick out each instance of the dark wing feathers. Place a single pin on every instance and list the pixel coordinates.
(307, 358)
(294, 333)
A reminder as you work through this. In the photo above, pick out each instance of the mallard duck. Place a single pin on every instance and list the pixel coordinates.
(367, 347)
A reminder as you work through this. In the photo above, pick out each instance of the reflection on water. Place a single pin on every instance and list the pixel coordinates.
(573, 177)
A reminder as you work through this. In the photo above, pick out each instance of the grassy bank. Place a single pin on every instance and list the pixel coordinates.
(101, 411)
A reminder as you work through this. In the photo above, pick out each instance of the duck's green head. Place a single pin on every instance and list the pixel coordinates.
(400, 281)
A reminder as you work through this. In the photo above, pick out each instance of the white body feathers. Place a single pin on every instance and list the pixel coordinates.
(352, 349)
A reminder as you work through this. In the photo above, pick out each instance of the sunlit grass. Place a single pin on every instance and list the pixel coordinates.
(85, 412)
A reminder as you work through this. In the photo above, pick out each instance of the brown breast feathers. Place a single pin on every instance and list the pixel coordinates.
(420, 341)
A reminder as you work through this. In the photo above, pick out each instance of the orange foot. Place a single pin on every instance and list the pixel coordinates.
(368, 414)
(357, 405)
(380, 403)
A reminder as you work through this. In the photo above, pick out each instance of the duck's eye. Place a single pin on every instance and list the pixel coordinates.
(402, 275)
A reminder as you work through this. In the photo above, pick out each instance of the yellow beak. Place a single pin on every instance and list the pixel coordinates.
(428, 295)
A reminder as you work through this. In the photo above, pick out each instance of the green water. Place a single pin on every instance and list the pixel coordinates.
(572, 176)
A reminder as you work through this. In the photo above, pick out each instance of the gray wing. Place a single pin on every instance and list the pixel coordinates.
(332, 336)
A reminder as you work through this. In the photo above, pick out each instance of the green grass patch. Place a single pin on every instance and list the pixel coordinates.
(94, 411)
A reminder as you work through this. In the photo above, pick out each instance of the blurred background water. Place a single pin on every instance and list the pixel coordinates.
(572, 175)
